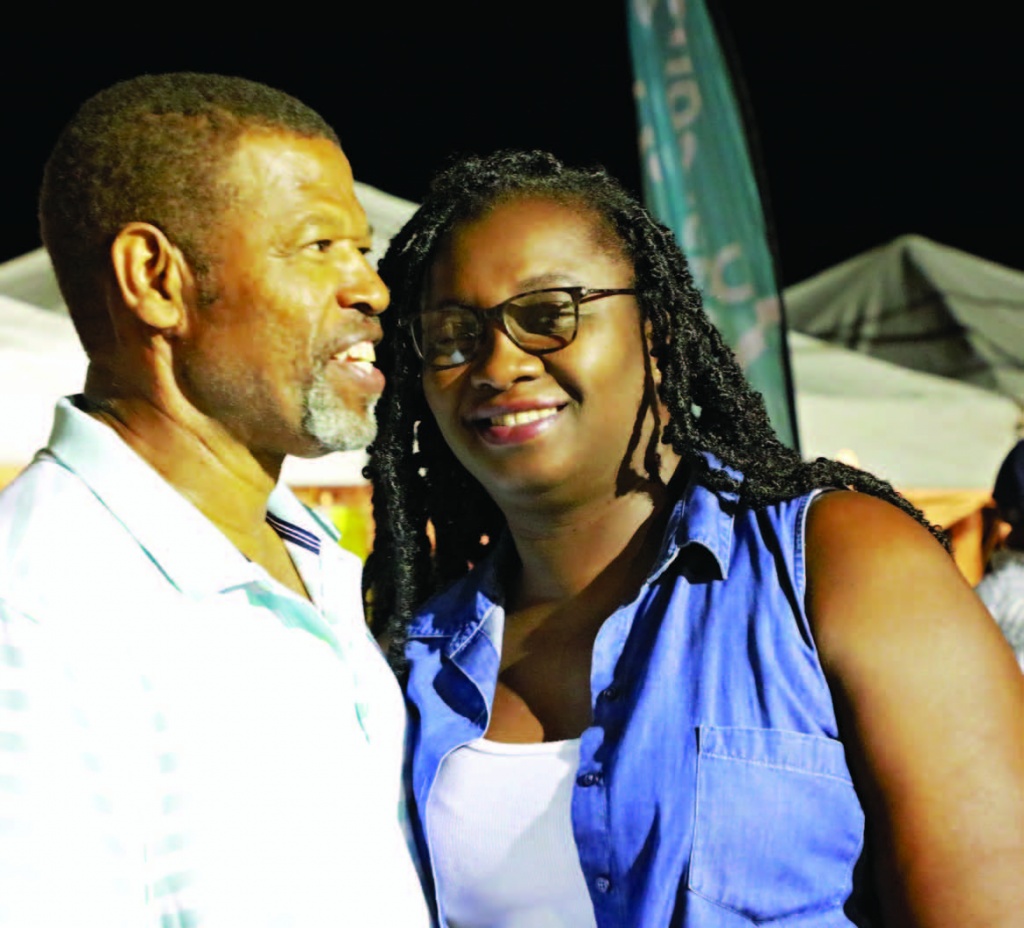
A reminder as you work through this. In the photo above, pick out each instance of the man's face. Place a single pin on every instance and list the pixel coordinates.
(282, 354)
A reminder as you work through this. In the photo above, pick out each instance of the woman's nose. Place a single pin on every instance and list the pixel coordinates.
(500, 362)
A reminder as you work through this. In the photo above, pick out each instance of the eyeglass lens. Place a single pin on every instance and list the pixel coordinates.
(538, 322)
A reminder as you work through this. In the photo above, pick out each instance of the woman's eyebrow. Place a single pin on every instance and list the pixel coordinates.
(549, 279)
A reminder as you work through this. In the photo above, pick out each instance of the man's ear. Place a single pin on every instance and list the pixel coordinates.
(151, 275)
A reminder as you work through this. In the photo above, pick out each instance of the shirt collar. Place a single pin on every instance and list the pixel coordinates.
(702, 517)
(194, 555)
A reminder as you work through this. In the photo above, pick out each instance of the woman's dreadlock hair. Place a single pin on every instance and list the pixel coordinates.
(420, 487)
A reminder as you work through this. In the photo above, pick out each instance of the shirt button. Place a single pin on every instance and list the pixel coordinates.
(602, 884)
(610, 694)
(589, 779)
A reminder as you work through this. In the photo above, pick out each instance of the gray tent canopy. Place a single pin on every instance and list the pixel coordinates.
(924, 306)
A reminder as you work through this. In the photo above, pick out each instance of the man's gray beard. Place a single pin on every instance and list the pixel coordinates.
(333, 425)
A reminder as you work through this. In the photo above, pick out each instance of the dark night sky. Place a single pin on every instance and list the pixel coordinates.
(865, 130)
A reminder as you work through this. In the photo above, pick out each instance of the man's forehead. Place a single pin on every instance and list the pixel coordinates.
(308, 178)
(285, 160)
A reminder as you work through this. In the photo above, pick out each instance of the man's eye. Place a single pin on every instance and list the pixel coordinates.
(322, 244)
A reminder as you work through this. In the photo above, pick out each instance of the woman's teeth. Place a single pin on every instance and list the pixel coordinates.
(521, 418)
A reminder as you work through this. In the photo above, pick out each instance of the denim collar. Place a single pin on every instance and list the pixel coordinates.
(702, 517)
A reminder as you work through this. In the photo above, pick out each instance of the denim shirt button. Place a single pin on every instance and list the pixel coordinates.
(610, 694)
(602, 884)
(589, 779)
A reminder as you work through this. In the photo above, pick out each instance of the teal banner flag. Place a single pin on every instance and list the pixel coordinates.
(699, 180)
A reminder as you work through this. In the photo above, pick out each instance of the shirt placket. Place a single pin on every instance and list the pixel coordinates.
(591, 799)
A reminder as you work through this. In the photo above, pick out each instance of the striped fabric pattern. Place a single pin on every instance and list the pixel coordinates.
(184, 741)
(294, 533)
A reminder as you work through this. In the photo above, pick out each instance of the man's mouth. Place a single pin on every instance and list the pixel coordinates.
(361, 355)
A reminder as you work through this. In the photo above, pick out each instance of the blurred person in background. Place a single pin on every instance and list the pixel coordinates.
(1002, 587)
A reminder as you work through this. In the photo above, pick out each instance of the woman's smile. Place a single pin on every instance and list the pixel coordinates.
(516, 426)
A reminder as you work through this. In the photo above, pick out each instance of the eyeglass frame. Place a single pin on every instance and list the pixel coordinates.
(579, 295)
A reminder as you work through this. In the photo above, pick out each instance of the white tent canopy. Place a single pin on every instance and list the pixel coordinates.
(915, 430)
(40, 360)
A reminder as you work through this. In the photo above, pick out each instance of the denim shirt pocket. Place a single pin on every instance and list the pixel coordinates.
(778, 826)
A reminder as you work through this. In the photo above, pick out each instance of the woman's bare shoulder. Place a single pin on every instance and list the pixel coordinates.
(930, 703)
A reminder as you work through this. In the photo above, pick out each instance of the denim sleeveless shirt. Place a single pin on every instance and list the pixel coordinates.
(712, 788)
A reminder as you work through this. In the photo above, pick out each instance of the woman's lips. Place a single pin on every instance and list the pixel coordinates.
(515, 427)
(522, 417)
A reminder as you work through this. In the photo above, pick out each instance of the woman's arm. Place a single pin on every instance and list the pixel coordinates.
(930, 703)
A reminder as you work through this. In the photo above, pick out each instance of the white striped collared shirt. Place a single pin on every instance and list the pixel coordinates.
(183, 740)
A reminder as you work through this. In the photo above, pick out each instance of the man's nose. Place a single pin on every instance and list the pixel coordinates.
(361, 287)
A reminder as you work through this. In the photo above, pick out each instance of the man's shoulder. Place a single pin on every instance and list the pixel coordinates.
(56, 537)
(42, 497)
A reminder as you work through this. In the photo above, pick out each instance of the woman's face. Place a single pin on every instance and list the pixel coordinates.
(557, 425)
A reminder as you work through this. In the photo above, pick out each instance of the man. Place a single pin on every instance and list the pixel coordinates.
(1002, 587)
(195, 726)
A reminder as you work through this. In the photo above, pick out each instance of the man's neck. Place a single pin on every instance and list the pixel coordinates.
(222, 479)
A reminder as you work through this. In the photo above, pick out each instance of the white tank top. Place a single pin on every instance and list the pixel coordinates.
(501, 836)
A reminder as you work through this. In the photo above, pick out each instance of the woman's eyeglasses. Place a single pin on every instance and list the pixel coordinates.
(539, 322)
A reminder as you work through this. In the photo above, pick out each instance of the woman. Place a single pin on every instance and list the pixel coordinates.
(661, 671)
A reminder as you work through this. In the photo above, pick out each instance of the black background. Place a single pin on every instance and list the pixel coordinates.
(866, 125)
